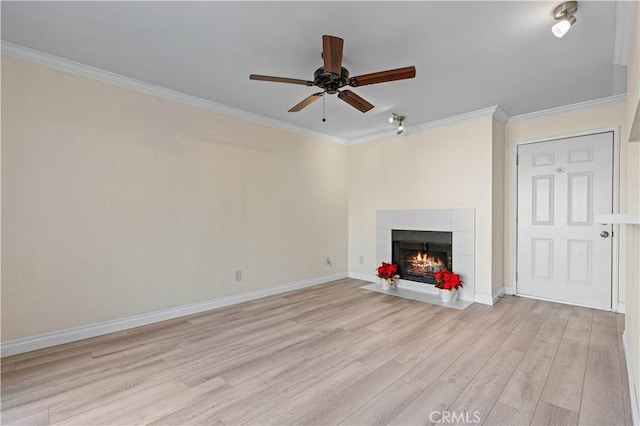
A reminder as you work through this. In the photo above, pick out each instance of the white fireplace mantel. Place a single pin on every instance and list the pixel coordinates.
(460, 222)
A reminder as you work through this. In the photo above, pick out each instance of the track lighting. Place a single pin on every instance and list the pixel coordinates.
(564, 14)
(395, 118)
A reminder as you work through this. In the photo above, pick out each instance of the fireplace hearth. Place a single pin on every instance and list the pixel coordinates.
(419, 254)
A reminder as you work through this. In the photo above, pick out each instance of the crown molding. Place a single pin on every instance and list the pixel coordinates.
(454, 119)
(495, 111)
(500, 115)
(625, 12)
(62, 64)
(569, 108)
(378, 136)
(66, 65)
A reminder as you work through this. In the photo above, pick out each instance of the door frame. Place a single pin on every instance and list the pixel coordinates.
(616, 306)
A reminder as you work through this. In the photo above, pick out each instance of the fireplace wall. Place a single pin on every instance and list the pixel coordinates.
(461, 224)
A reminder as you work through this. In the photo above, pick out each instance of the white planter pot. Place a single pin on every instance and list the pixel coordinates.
(384, 284)
(448, 295)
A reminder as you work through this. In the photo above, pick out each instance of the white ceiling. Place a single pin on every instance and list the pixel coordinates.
(468, 55)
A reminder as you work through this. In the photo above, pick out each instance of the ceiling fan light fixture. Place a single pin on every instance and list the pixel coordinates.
(564, 14)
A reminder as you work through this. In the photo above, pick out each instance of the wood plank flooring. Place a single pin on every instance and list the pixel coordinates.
(334, 354)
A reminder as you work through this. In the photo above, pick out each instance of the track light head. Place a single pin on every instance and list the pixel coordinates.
(564, 14)
(396, 118)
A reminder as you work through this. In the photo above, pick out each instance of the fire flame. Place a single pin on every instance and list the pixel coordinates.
(422, 263)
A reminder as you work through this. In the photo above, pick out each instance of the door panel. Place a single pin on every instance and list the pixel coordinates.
(580, 193)
(542, 260)
(542, 202)
(579, 261)
(562, 185)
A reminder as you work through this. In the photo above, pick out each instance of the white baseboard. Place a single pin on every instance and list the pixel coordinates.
(498, 294)
(490, 300)
(620, 308)
(510, 289)
(484, 299)
(372, 278)
(27, 344)
(633, 396)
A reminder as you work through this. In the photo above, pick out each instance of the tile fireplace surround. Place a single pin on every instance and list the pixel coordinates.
(460, 222)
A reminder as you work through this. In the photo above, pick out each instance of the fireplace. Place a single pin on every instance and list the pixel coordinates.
(419, 254)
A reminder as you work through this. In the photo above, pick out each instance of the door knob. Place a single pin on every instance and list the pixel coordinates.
(604, 234)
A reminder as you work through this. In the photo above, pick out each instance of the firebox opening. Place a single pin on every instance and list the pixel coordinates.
(419, 254)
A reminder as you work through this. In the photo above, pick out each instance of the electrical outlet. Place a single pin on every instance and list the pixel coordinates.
(362, 260)
(238, 276)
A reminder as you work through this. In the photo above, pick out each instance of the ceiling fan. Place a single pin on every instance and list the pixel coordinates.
(333, 76)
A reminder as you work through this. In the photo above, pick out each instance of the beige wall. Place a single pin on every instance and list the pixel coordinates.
(441, 168)
(632, 278)
(632, 232)
(497, 221)
(117, 203)
(633, 81)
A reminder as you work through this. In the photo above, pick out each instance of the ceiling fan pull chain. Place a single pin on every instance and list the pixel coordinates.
(324, 95)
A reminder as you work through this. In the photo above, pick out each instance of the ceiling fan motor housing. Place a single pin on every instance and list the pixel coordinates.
(330, 82)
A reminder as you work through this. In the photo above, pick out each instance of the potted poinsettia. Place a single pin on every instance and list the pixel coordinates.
(388, 274)
(448, 283)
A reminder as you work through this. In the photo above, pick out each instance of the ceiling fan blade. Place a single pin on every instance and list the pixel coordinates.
(306, 102)
(332, 54)
(280, 79)
(355, 101)
(383, 76)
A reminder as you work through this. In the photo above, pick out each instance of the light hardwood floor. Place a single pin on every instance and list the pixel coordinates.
(335, 354)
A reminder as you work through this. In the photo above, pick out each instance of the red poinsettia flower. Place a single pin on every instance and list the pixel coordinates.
(387, 271)
(439, 275)
(447, 280)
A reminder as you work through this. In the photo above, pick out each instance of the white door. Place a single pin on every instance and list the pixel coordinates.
(562, 254)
